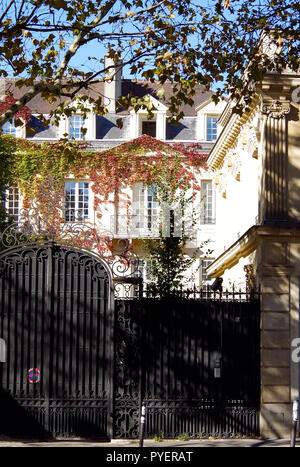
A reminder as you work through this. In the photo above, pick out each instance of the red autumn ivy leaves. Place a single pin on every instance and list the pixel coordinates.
(23, 114)
(144, 160)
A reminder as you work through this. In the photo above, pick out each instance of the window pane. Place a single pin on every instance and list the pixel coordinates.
(76, 125)
(211, 128)
(204, 264)
(12, 203)
(145, 208)
(83, 200)
(152, 206)
(138, 198)
(76, 201)
(140, 269)
(149, 128)
(9, 128)
(70, 201)
(207, 203)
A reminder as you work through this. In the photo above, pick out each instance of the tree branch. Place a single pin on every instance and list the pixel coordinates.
(34, 91)
(6, 11)
(76, 43)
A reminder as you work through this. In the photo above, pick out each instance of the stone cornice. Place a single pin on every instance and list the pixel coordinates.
(241, 248)
(283, 80)
(248, 242)
(282, 84)
(229, 135)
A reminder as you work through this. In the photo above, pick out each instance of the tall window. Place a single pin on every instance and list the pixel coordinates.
(211, 127)
(76, 201)
(204, 276)
(207, 208)
(9, 128)
(76, 125)
(12, 202)
(145, 209)
(140, 269)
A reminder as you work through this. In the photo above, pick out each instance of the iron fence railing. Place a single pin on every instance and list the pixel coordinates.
(139, 290)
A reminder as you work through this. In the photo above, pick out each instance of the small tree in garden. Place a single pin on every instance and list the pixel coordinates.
(167, 261)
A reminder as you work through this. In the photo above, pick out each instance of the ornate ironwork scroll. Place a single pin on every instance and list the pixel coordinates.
(127, 367)
(47, 220)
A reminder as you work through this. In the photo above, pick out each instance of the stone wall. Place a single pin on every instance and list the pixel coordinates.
(274, 277)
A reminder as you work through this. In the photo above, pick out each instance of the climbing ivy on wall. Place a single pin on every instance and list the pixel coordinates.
(144, 159)
(41, 169)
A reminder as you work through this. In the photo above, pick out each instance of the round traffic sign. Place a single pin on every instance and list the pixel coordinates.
(33, 375)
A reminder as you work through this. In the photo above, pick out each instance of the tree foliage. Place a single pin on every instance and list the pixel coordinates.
(168, 261)
(214, 43)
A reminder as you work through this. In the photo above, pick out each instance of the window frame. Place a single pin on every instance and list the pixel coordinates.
(74, 128)
(152, 122)
(146, 210)
(207, 129)
(207, 219)
(207, 279)
(12, 195)
(12, 129)
(73, 217)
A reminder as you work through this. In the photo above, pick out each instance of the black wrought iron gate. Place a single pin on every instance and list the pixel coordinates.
(56, 314)
(195, 364)
(80, 363)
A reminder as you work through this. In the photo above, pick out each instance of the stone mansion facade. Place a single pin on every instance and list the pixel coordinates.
(197, 128)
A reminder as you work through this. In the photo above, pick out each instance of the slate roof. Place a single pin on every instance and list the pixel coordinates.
(138, 88)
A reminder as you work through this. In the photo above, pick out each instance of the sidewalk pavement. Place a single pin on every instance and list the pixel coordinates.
(165, 445)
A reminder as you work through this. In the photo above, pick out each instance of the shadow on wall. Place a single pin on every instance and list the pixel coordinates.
(281, 171)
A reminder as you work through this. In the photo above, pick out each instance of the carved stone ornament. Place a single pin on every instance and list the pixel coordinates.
(276, 109)
(252, 143)
(224, 180)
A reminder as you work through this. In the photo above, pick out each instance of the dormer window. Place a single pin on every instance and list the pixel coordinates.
(76, 125)
(9, 128)
(207, 116)
(156, 127)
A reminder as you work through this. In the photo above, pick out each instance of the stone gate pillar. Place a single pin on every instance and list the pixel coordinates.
(275, 279)
(276, 275)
